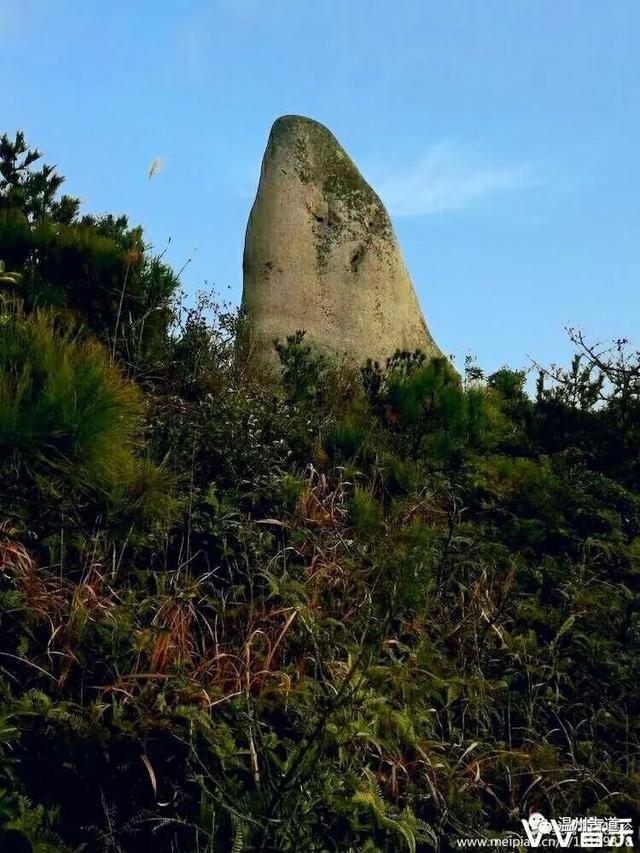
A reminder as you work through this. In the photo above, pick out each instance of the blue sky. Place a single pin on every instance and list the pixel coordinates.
(504, 136)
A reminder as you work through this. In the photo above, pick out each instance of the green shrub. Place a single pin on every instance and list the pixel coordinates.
(303, 369)
(345, 440)
(425, 405)
(64, 409)
(364, 513)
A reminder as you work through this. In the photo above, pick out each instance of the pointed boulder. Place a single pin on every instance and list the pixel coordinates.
(321, 255)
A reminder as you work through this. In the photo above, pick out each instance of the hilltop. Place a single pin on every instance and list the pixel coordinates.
(359, 606)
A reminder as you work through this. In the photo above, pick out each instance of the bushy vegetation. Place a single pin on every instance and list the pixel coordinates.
(376, 609)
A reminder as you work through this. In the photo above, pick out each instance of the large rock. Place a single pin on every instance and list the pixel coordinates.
(321, 255)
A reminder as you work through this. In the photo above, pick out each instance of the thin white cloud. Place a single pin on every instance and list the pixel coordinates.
(446, 177)
(199, 32)
(194, 47)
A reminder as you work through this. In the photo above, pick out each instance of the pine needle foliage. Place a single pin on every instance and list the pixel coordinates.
(62, 404)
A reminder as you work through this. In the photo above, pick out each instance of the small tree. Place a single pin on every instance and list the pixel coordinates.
(32, 191)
